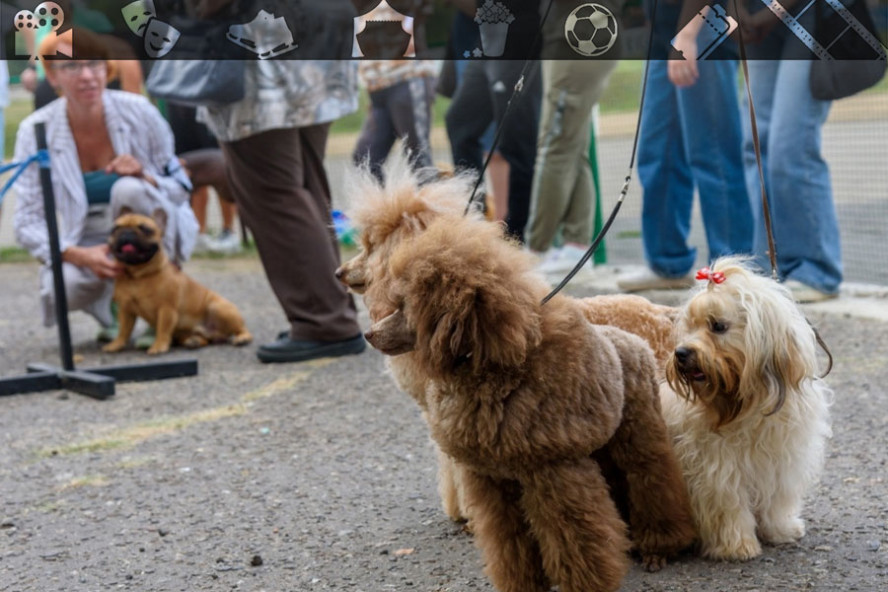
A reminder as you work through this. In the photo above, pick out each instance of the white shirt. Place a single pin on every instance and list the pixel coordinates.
(135, 126)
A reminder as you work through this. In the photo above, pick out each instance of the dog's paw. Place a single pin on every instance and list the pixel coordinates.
(194, 342)
(783, 533)
(743, 549)
(114, 346)
(157, 349)
(652, 562)
(242, 338)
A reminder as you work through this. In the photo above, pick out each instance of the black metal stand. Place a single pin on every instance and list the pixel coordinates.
(92, 382)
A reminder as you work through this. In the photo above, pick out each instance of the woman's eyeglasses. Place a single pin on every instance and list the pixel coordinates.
(75, 68)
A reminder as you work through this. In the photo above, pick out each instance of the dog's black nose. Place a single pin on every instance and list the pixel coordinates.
(683, 354)
(339, 273)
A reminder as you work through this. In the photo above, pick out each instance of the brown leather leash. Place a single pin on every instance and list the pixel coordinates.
(766, 209)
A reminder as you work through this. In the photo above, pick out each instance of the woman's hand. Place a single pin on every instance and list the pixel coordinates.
(97, 259)
(126, 165)
(684, 72)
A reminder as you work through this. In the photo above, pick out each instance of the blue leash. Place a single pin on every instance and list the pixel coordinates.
(41, 157)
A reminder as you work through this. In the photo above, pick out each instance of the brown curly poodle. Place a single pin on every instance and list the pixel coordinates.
(387, 216)
(521, 396)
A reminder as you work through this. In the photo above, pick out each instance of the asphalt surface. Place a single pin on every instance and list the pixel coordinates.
(320, 476)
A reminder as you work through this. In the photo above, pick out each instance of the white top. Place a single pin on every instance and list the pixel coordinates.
(135, 126)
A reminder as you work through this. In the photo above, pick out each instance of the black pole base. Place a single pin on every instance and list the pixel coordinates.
(98, 382)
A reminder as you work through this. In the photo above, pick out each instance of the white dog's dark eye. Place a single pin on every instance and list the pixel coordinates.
(718, 326)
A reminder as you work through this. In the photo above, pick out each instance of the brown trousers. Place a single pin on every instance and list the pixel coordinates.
(278, 180)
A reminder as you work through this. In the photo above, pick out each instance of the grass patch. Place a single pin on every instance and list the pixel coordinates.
(15, 255)
(624, 88)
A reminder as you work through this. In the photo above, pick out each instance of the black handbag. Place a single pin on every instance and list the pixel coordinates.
(209, 83)
(857, 65)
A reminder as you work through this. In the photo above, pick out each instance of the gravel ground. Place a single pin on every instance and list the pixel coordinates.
(320, 476)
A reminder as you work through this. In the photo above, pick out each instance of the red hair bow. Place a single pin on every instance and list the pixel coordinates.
(715, 277)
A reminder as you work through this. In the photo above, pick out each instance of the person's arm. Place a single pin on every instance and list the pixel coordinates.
(96, 258)
(161, 151)
(684, 72)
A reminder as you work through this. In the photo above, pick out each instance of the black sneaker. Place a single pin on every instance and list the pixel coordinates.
(286, 349)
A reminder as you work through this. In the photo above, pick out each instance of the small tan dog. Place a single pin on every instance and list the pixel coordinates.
(748, 415)
(180, 310)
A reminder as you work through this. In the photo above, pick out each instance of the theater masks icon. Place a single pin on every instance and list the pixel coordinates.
(159, 38)
(137, 14)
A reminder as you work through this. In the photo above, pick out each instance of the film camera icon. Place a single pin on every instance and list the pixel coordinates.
(47, 16)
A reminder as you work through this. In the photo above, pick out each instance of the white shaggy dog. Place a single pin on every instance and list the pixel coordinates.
(746, 410)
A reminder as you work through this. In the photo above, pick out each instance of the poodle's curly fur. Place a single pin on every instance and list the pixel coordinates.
(652, 322)
(531, 401)
(387, 216)
(747, 412)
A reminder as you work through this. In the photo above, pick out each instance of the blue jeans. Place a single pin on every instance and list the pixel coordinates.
(797, 181)
(691, 137)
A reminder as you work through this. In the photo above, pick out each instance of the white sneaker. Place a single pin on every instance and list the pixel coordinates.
(648, 280)
(203, 244)
(803, 293)
(228, 243)
(562, 260)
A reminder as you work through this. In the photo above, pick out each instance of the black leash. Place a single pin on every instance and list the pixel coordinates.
(613, 215)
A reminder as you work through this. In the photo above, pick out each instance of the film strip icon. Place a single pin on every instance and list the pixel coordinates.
(797, 29)
(858, 28)
(808, 39)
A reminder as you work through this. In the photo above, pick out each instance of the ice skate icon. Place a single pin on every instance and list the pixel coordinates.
(266, 35)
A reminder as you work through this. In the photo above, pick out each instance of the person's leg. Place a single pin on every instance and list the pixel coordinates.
(83, 291)
(228, 210)
(665, 178)
(498, 175)
(806, 229)
(278, 180)
(410, 109)
(377, 134)
(206, 166)
(519, 133)
(468, 116)
(199, 199)
(710, 121)
(762, 84)
(562, 185)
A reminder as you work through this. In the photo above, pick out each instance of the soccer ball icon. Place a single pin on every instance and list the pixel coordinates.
(590, 30)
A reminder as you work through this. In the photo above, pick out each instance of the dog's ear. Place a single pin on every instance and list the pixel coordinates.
(776, 339)
(480, 326)
(466, 296)
(160, 217)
